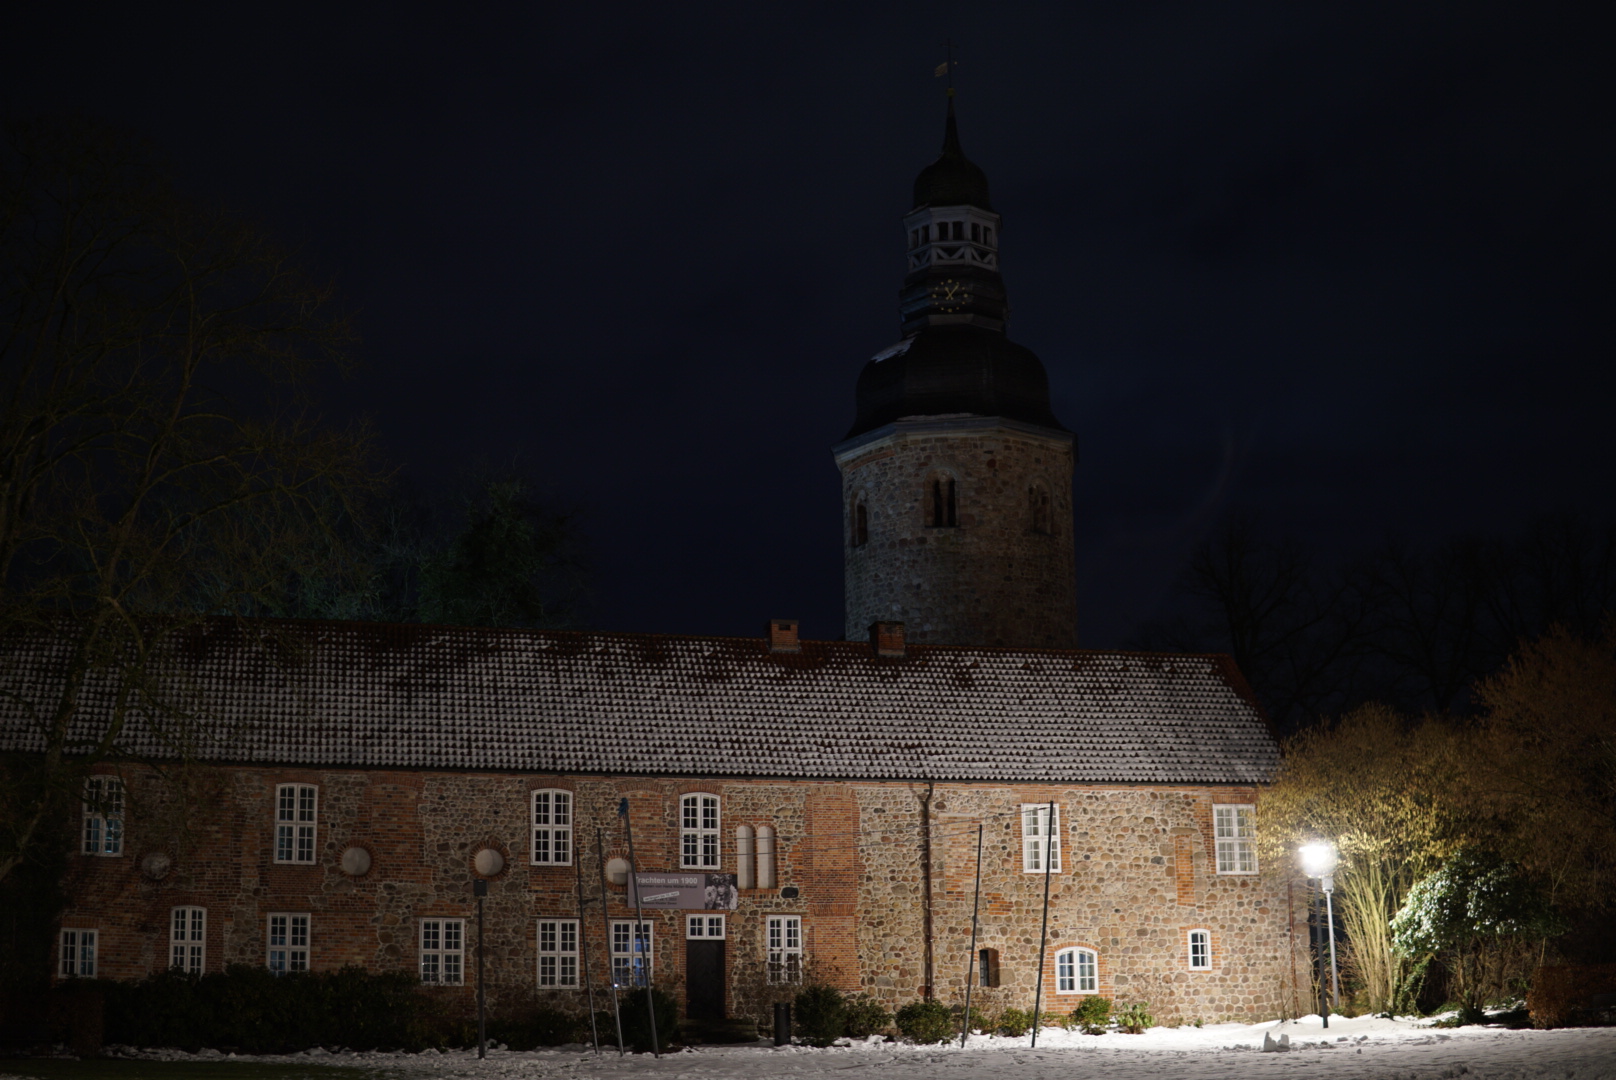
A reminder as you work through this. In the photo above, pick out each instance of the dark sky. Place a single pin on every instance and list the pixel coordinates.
(1344, 266)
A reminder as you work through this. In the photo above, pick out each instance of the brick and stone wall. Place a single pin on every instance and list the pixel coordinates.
(1138, 874)
(999, 576)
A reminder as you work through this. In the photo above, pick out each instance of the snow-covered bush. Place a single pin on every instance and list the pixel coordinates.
(926, 1022)
(1135, 1018)
(1484, 919)
(819, 1014)
(866, 1016)
(1092, 1015)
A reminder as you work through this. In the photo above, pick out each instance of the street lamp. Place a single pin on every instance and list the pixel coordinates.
(1319, 860)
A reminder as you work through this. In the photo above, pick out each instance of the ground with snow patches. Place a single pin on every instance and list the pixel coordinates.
(1368, 1047)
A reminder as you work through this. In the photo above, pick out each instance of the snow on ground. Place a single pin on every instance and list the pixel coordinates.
(1362, 1048)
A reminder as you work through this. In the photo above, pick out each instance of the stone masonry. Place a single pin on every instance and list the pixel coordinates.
(1000, 575)
(1138, 875)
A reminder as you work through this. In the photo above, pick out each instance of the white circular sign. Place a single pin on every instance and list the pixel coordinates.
(488, 862)
(355, 862)
(156, 865)
(617, 871)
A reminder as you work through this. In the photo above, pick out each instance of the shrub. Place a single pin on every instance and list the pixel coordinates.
(1092, 1015)
(865, 1017)
(247, 1008)
(539, 1026)
(1135, 1018)
(819, 1014)
(1013, 1022)
(1463, 1016)
(637, 1026)
(926, 1022)
(1563, 994)
(1484, 918)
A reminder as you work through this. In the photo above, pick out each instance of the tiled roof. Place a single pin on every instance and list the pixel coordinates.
(375, 695)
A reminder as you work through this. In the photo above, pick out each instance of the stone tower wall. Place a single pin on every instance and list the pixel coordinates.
(993, 578)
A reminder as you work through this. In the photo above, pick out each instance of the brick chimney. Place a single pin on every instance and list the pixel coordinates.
(886, 638)
(782, 634)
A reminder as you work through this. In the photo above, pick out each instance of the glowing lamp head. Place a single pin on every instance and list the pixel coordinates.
(1318, 858)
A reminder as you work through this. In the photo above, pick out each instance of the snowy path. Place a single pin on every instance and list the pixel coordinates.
(1360, 1049)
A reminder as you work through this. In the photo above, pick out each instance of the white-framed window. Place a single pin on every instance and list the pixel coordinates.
(552, 828)
(187, 939)
(1234, 828)
(631, 953)
(443, 951)
(1077, 971)
(1200, 950)
(288, 948)
(1039, 838)
(558, 953)
(77, 954)
(297, 809)
(698, 831)
(103, 816)
(705, 927)
(784, 941)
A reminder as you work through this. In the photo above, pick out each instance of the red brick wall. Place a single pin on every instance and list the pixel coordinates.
(1137, 875)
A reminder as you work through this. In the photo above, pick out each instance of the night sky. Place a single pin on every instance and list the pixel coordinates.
(1346, 267)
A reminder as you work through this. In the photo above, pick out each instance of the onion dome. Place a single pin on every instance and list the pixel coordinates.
(953, 371)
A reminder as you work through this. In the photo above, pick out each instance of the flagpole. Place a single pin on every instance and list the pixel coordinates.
(605, 921)
(639, 927)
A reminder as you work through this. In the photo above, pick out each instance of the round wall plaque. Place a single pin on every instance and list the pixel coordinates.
(617, 871)
(355, 862)
(488, 862)
(156, 865)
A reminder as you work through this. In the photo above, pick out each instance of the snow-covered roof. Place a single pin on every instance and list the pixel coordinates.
(389, 696)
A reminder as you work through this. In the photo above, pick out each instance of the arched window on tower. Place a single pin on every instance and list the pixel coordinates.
(941, 501)
(1041, 508)
(858, 520)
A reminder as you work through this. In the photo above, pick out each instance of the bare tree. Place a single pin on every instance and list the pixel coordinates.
(160, 463)
(1413, 628)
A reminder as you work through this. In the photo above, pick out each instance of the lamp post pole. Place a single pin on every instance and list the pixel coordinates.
(1319, 860)
(1329, 928)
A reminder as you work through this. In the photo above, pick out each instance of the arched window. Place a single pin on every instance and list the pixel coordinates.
(859, 521)
(745, 859)
(1041, 509)
(942, 504)
(765, 856)
(1077, 971)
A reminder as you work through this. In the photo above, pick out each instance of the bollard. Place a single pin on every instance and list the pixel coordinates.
(782, 1023)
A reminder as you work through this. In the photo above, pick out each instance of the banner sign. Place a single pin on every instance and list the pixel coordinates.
(705, 892)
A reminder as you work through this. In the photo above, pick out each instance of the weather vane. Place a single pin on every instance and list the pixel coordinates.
(947, 66)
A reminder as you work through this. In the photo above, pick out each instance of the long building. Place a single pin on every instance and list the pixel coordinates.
(831, 811)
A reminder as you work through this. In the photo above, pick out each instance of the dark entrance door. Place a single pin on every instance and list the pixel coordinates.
(704, 979)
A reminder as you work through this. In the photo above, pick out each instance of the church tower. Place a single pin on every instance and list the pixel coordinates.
(956, 476)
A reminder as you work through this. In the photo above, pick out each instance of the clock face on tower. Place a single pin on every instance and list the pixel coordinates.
(949, 296)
